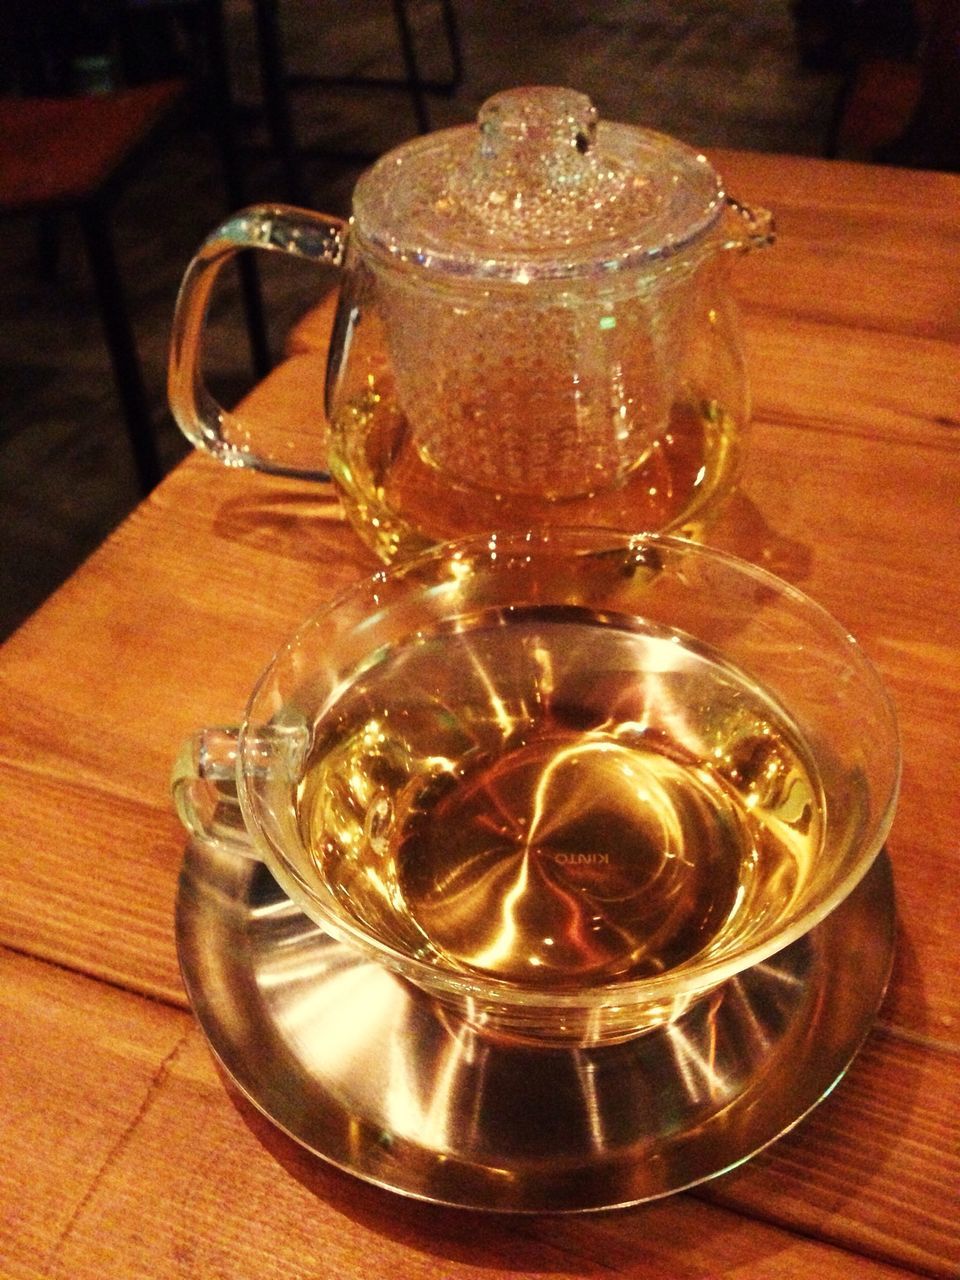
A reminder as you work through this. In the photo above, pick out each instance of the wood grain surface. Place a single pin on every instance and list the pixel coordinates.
(124, 1152)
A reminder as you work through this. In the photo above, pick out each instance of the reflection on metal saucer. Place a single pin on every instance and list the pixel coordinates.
(368, 1073)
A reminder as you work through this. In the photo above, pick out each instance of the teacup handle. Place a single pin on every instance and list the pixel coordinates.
(277, 228)
(204, 786)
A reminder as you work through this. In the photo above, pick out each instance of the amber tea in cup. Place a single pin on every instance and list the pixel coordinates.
(565, 782)
(559, 800)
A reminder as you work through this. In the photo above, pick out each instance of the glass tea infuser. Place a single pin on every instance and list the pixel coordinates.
(534, 326)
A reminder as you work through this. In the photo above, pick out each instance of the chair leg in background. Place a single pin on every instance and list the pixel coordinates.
(411, 69)
(121, 345)
(273, 86)
(452, 32)
(219, 110)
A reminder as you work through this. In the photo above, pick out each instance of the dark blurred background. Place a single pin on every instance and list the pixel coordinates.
(290, 99)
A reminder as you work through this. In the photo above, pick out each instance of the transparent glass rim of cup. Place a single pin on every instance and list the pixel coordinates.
(693, 977)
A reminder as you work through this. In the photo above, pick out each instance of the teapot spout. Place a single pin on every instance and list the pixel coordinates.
(752, 228)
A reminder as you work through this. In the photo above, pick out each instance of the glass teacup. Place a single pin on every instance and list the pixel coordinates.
(565, 782)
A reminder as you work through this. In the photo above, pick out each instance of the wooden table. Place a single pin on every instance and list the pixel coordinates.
(125, 1154)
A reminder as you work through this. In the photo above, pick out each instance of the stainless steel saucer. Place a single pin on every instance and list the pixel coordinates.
(369, 1074)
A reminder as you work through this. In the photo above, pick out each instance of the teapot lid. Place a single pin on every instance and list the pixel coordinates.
(542, 191)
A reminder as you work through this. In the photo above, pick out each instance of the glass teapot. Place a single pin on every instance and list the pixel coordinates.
(534, 327)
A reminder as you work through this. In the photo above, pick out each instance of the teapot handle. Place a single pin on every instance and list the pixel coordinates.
(275, 228)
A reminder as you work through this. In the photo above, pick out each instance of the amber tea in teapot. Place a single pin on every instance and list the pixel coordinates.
(562, 841)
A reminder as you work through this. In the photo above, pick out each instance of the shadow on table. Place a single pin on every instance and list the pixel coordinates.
(302, 522)
(742, 529)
